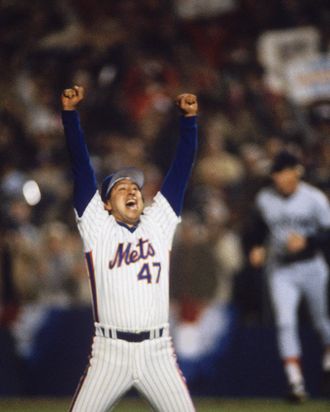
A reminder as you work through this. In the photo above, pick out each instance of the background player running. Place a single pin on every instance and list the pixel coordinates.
(293, 219)
(127, 251)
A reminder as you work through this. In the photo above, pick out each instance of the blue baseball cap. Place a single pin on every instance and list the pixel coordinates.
(135, 175)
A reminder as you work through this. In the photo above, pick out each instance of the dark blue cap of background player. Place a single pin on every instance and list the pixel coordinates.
(284, 160)
(135, 175)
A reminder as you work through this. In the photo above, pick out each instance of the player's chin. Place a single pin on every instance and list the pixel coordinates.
(133, 215)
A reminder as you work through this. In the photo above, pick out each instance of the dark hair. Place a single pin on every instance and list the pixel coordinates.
(284, 160)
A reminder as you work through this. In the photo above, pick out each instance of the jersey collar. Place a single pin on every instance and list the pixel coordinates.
(130, 228)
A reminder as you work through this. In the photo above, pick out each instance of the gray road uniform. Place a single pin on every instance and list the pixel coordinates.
(291, 276)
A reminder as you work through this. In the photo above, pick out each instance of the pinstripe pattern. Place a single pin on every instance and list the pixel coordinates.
(129, 274)
(149, 366)
(108, 377)
(159, 377)
(124, 301)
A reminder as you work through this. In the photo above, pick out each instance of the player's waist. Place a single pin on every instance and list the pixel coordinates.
(130, 336)
(298, 257)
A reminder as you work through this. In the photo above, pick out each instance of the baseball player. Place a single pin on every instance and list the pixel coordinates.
(127, 249)
(291, 225)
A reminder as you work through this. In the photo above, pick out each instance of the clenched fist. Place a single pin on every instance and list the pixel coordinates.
(187, 103)
(71, 97)
(296, 243)
(257, 256)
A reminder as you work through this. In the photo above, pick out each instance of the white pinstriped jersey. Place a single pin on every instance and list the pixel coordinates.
(129, 270)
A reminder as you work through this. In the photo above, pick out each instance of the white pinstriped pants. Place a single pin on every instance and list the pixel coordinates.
(116, 366)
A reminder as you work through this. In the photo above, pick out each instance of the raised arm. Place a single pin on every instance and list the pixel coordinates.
(176, 180)
(83, 174)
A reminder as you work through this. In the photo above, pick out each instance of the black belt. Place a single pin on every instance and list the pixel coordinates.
(298, 257)
(132, 336)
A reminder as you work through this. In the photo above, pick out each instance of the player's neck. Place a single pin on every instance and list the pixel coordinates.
(130, 226)
(287, 192)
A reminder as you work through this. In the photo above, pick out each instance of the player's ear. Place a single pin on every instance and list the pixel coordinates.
(300, 170)
(108, 206)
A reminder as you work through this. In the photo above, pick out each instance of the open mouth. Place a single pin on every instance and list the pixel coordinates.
(131, 204)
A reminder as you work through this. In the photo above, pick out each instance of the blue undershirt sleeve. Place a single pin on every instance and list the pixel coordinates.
(176, 180)
(84, 180)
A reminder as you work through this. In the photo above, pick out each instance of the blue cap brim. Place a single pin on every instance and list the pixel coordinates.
(135, 175)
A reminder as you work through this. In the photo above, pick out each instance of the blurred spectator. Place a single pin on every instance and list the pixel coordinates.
(60, 260)
(193, 277)
(218, 167)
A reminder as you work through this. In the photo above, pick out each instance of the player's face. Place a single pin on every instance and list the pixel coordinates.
(286, 180)
(125, 202)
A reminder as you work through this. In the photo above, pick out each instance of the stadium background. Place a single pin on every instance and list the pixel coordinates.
(261, 71)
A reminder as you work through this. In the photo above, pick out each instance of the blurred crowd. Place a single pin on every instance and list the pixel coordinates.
(133, 58)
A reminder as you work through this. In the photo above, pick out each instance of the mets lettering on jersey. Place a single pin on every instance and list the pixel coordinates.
(130, 254)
